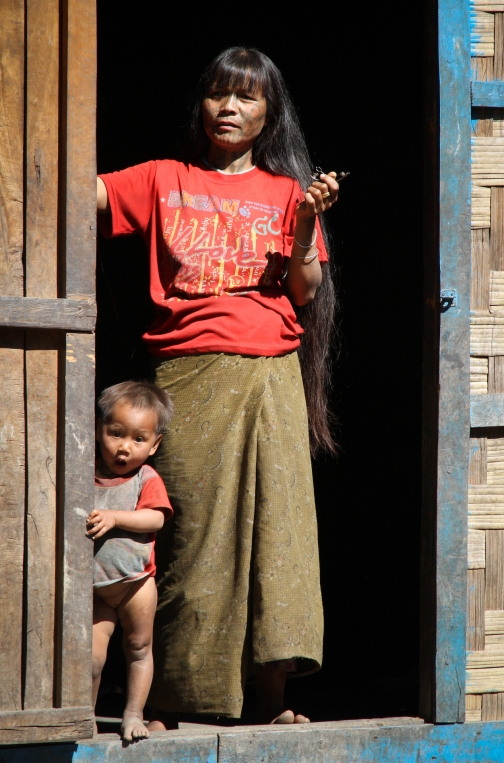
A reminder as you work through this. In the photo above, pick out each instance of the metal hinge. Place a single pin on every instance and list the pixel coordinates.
(448, 299)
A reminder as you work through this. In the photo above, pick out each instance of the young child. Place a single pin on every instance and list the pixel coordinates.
(131, 504)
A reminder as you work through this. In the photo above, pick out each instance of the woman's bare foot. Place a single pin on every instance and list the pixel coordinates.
(161, 721)
(288, 717)
(132, 727)
(270, 688)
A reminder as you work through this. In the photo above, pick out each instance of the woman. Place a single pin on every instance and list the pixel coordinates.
(234, 243)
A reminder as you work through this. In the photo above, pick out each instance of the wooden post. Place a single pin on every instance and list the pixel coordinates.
(446, 365)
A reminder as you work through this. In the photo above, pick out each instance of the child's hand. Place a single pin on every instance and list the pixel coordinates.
(100, 522)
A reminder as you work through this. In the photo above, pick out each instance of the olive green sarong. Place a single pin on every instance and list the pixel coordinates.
(238, 570)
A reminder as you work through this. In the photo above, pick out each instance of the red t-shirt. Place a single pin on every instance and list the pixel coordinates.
(216, 245)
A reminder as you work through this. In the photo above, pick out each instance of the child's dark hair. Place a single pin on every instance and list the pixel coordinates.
(143, 395)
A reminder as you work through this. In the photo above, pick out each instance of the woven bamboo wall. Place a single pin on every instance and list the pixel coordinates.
(485, 635)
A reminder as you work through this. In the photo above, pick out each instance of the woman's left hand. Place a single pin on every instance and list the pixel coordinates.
(319, 197)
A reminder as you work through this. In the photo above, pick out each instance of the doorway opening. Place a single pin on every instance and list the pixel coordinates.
(355, 74)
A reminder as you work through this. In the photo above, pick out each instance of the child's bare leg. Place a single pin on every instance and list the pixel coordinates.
(161, 721)
(104, 622)
(270, 689)
(136, 613)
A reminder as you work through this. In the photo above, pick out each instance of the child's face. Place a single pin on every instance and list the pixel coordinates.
(128, 438)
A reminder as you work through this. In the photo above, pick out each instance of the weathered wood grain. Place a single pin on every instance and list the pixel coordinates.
(473, 708)
(40, 582)
(482, 33)
(497, 229)
(495, 374)
(478, 461)
(480, 203)
(11, 142)
(494, 622)
(476, 610)
(79, 173)
(476, 549)
(481, 70)
(494, 588)
(479, 376)
(12, 499)
(495, 461)
(499, 46)
(42, 96)
(492, 708)
(31, 312)
(73, 685)
(496, 287)
(487, 658)
(485, 680)
(480, 269)
(54, 725)
(487, 410)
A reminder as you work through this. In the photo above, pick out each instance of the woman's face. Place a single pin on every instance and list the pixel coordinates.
(233, 117)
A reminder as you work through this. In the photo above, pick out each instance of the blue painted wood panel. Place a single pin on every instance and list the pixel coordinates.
(487, 410)
(488, 94)
(454, 421)
(314, 743)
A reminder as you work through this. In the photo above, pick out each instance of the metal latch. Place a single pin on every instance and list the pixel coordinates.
(448, 299)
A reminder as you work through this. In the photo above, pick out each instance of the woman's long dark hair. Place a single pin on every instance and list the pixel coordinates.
(281, 150)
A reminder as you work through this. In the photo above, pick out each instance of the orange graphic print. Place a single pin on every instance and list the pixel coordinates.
(219, 245)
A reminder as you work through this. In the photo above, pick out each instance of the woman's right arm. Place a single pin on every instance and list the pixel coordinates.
(102, 202)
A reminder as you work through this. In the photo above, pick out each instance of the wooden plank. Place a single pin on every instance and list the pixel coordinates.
(11, 141)
(40, 585)
(476, 610)
(78, 190)
(31, 312)
(12, 423)
(12, 499)
(492, 708)
(487, 94)
(42, 96)
(487, 410)
(499, 46)
(54, 725)
(482, 69)
(494, 588)
(444, 583)
(495, 462)
(480, 269)
(497, 229)
(73, 684)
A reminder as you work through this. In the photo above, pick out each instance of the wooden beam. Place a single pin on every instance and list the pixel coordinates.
(446, 365)
(78, 187)
(49, 725)
(12, 416)
(34, 313)
(75, 552)
(487, 94)
(487, 410)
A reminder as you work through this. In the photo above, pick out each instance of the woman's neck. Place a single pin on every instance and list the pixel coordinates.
(230, 162)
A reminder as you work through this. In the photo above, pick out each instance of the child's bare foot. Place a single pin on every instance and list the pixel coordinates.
(161, 721)
(288, 717)
(132, 727)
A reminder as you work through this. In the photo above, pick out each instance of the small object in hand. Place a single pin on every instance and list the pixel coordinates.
(318, 172)
(341, 176)
(325, 195)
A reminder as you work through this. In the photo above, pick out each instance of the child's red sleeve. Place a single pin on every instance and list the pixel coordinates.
(154, 496)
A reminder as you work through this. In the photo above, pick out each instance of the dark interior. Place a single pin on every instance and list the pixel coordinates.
(355, 73)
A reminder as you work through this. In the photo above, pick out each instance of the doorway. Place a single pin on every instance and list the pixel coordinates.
(355, 73)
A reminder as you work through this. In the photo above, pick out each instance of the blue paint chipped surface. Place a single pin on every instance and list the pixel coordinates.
(320, 743)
